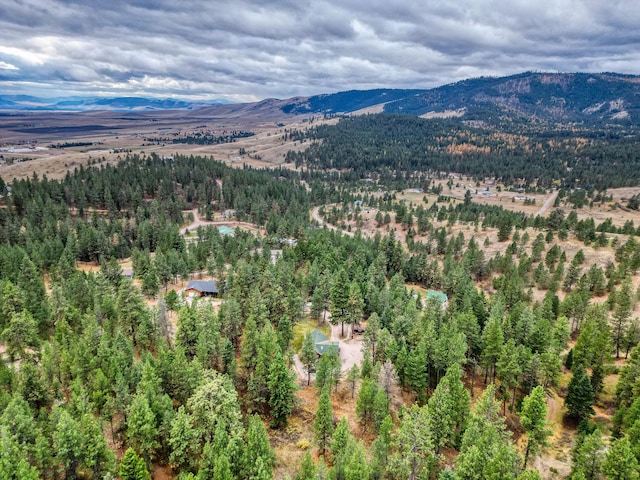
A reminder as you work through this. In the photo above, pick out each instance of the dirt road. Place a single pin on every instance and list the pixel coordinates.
(315, 214)
(198, 222)
(554, 462)
(547, 203)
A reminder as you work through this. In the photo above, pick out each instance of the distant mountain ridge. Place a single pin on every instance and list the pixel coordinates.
(30, 103)
(550, 97)
(554, 97)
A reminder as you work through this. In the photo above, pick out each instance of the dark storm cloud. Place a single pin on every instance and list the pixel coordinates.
(247, 49)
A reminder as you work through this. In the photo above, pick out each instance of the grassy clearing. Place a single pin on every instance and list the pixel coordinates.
(302, 328)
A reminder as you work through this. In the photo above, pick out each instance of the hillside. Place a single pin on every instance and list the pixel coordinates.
(592, 98)
(553, 97)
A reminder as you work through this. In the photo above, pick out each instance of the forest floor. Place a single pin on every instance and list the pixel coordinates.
(554, 462)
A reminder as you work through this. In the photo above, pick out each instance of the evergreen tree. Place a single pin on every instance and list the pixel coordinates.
(579, 399)
(534, 420)
(285, 332)
(249, 348)
(259, 457)
(142, 430)
(621, 313)
(329, 369)
(21, 335)
(341, 437)
(323, 425)
(132, 467)
(14, 464)
(416, 371)
(529, 475)
(31, 286)
(96, 454)
(339, 304)
(380, 449)
(492, 340)
(620, 463)
(486, 450)
(509, 368)
(414, 456)
(67, 444)
(380, 408)
(356, 465)
(221, 471)
(150, 286)
(588, 456)
(371, 334)
(172, 300)
(308, 356)
(593, 346)
(355, 307)
(307, 469)
(448, 408)
(259, 392)
(352, 377)
(214, 408)
(183, 440)
(281, 391)
(366, 402)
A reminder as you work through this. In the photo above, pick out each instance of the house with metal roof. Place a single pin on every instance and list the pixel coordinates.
(439, 296)
(201, 288)
(224, 230)
(322, 344)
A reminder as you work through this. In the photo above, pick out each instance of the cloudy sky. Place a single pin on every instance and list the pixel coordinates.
(244, 50)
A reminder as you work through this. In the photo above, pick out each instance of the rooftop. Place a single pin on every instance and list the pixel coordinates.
(203, 286)
(438, 295)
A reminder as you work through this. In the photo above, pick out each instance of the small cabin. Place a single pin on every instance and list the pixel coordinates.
(225, 230)
(201, 288)
(322, 344)
(440, 297)
(127, 273)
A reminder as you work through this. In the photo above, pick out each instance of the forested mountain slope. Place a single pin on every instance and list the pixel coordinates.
(554, 97)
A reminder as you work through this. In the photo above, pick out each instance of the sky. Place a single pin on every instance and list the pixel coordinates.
(245, 50)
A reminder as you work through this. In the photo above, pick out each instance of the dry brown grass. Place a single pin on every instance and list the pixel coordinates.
(266, 148)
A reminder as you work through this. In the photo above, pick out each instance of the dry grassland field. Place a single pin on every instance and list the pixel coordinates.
(112, 135)
(26, 139)
(498, 194)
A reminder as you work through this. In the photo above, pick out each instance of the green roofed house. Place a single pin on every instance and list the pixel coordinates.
(439, 296)
(322, 343)
(224, 230)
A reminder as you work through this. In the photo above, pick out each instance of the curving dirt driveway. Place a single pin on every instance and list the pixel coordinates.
(198, 222)
(315, 214)
(547, 203)
(553, 461)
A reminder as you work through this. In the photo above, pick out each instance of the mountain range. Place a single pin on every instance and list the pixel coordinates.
(554, 97)
(549, 97)
(81, 104)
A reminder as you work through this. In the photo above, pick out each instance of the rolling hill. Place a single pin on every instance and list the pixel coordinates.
(591, 98)
(553, 97)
